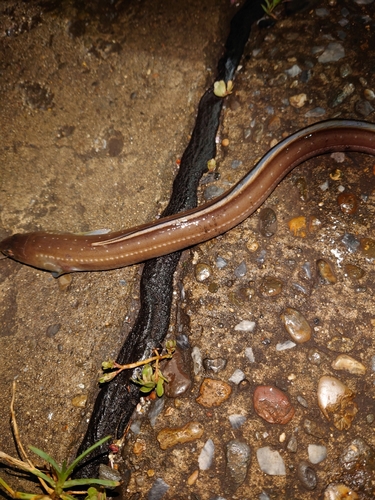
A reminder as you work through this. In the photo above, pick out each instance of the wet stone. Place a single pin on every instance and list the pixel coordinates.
(296, 325)
(297, 226)
(348, 203)
(307, 475)
(52, 330)
(214, 365)
(79, 401)
(348, 364)
(273, 405)
(335, 400)
(238, 458)
(202, 272)
(356, 452)
(325, 272)
(177, 374)
(169, 437)
(301, 185)
(270, 286)
(158, 490)
(354, 272)
(213, 393)
(351, 242)
(368, 247)
(267, 222)
(240, 270)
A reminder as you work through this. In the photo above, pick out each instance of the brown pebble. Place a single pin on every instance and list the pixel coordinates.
(202, 272)
(79, 401)
(368, 247)
(177, 374)
(348, 203)
(349, 364)
(225, 143)
(296, 325)
(335, 400)
(193, 478)
(64, 282)
(270, 286)
(298, 226)
(325, 272)
(354, 272)
(267, 222)
(170, 437)
(272, 405)
(213, 392)
(274, 124)
(139, 446)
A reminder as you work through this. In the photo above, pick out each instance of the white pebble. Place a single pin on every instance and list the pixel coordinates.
(245, 326)
(317, 453)
(270, 462)
(206, 456)
(237, 376)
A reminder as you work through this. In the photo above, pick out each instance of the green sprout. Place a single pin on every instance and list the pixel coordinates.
(270, 7)
(151, 376)
(54, 479)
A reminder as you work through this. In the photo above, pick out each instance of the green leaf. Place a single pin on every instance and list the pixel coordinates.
(160, 388)
(75, 462)
(147, 389)
(47, 458)
(84, 482)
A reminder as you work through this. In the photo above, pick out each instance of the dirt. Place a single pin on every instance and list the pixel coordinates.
(97, 104)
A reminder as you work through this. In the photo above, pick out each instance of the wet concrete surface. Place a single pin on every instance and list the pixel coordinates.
(97, 106)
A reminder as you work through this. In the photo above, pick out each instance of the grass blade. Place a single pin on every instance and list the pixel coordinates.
(74, 464)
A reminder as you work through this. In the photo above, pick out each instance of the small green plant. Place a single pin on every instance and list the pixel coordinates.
(55, 479)
(270, 7)
(222, 89)
(151, 376)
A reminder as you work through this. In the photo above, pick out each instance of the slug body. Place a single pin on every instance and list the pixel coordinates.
(63, 253)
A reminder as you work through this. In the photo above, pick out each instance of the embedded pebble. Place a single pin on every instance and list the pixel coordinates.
(297, 226)
(212, 192)
(202, 272)
(313, 428)
(294, 71)
(213, 392)
(339, 491)
(221, 263)
(270, 462)
(341, 96)
(237, 376)
(301, 184)
(298, 100)
(206, 456)
(249, 353)
(273, 405)
(351, 242)
(240, 270)
(52, 330)
(197, 360)
(348, 203)
(349, 364)
(317, 453)
(353, 272)
(64, 282)
(158, 490)
(363, 108)
(307, 475)
(215, 365)
(192, 479)
(238, 458)
(315, 112)
(267, 222)
(79, 401)
(334, 52)
(368, 247)
(169, 437)
(245, 326)
(315, 357)
(283, 346)
(292, 444)
(357, 452)
(296, 325)
(108, 473)
(177, 374)
(369, 94)
(236, 163)
(325, 272)
(270, 286)
(236, 420)
(335, 400)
